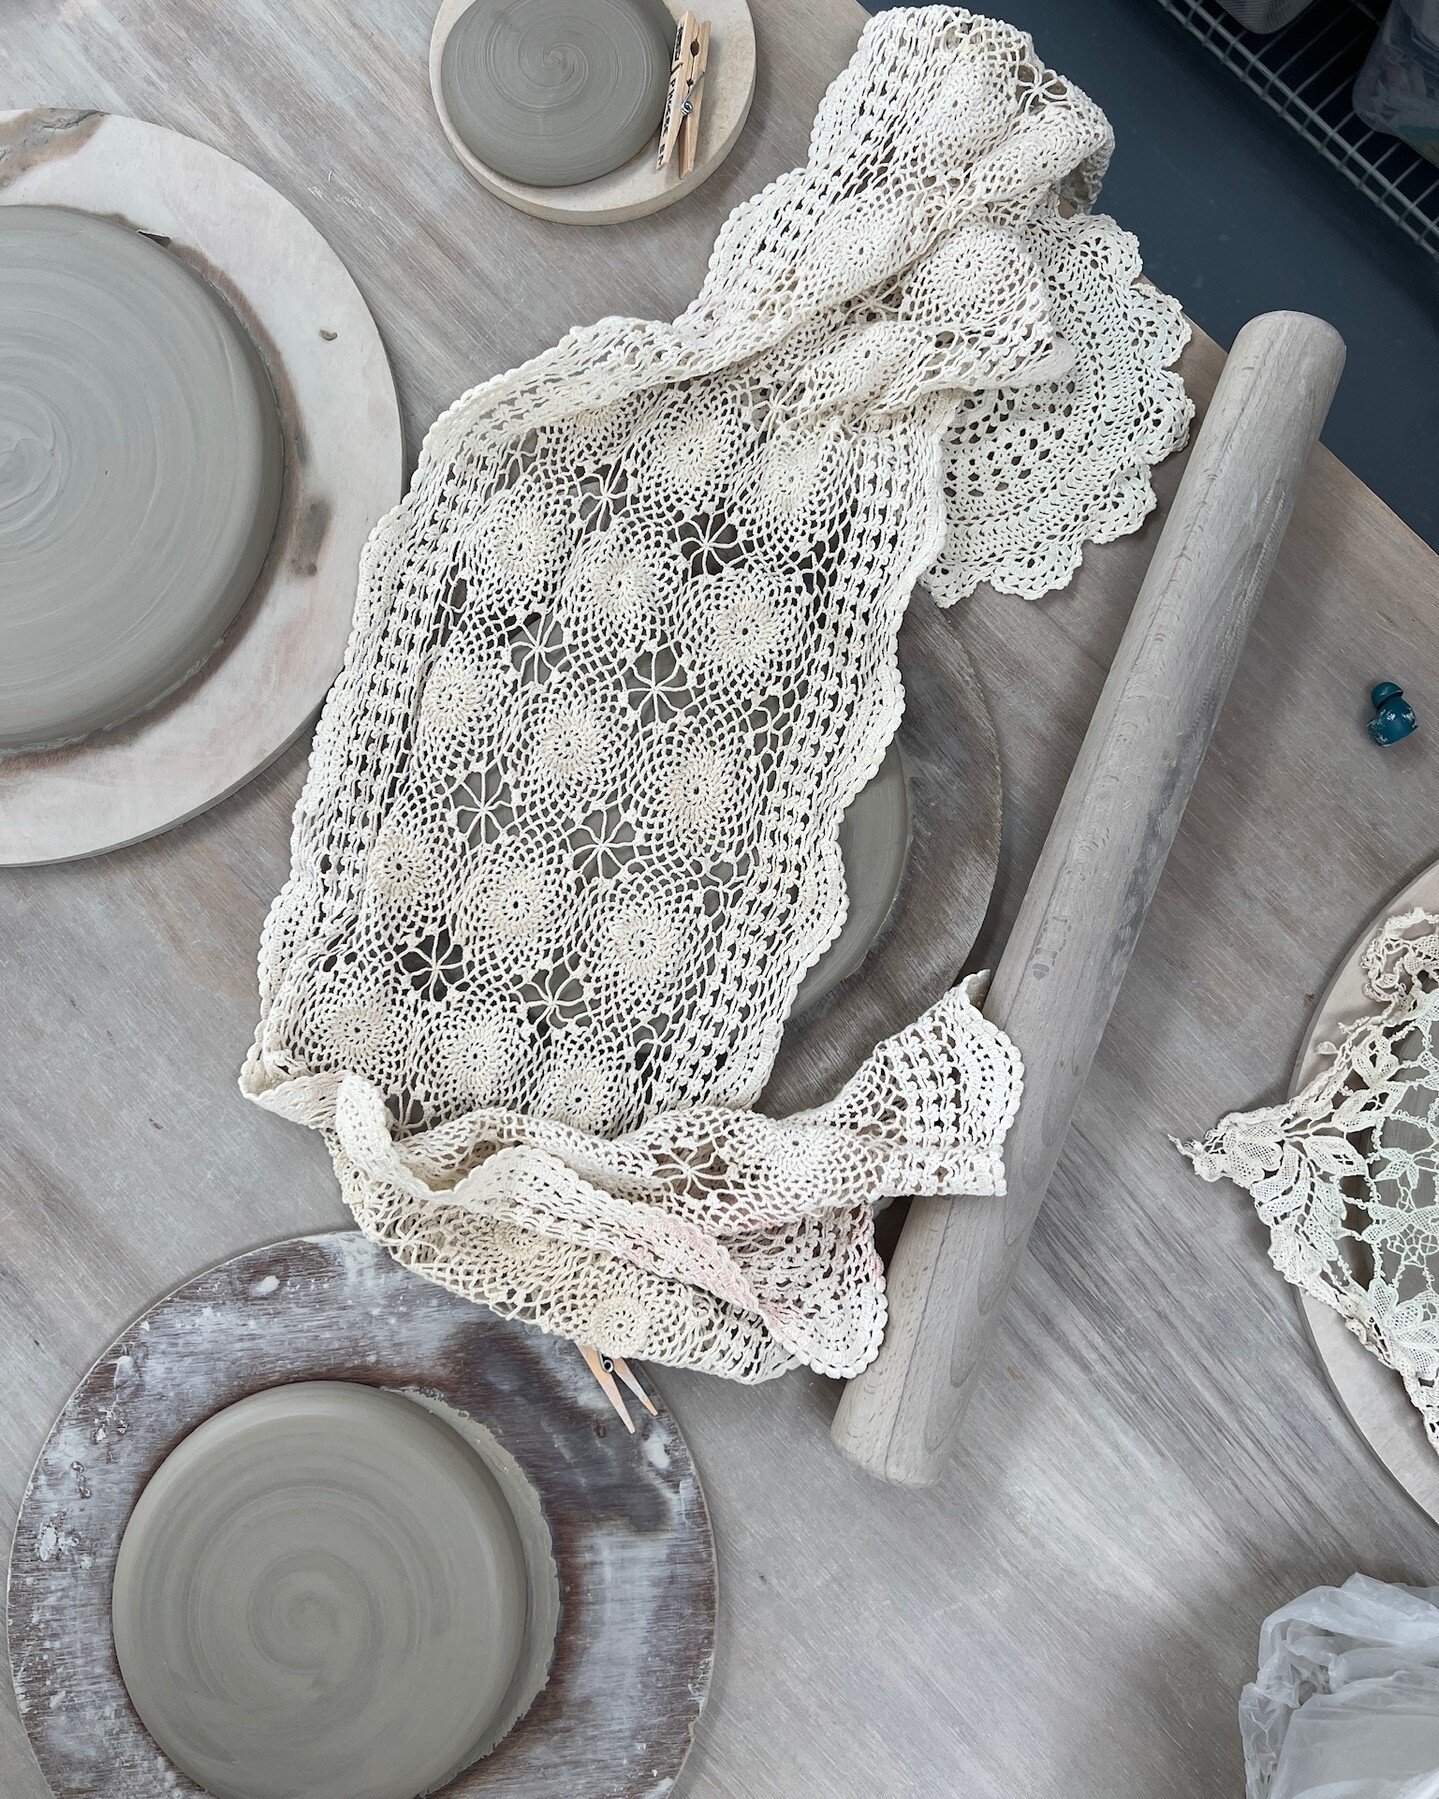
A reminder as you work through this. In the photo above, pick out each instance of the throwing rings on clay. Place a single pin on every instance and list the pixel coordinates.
(140, 474)
(229, 321)
(551, 92)
(324, 1590)
(315, 1525)
(555, 105)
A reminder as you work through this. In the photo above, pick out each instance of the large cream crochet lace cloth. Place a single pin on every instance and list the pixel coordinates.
(1344, 1173)
(621, 660)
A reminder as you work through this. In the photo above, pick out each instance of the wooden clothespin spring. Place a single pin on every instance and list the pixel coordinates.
(680, 127)
(605, 1368)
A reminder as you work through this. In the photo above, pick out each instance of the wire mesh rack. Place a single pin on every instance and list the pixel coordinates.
(1306, 73)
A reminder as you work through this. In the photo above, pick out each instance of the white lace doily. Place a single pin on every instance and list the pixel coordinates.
(622, 659)
(1343, 1174)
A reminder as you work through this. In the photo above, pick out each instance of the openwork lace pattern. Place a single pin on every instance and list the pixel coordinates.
(623, 657)
(1343, 1174)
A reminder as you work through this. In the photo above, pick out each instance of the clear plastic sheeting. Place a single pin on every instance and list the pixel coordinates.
(1346, 1701)
(1398, 87)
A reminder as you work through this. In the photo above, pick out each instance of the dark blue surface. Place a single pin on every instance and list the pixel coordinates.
(1236, 215)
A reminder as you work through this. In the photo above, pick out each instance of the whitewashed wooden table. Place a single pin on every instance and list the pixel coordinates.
(1153, 1461)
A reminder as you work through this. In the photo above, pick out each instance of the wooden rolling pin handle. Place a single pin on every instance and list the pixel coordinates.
(1061, 969)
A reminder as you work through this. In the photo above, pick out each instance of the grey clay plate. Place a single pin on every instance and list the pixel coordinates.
(140, 473)
(553, 93)
(325, 1589)
(335, 1509)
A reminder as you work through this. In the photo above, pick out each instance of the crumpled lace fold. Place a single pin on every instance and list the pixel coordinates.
(623, 657)
(1343, 1173)
(761, 1229)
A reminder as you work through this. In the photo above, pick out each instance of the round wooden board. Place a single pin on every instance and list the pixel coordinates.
(630, 1529)
(1372, 1395)
(866, 988)
(638, 187)
(344, 468)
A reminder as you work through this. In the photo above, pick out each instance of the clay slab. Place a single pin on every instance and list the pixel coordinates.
(548, 93)
(324, 1590)
(343, 463)
(140, 472)
(636, 187)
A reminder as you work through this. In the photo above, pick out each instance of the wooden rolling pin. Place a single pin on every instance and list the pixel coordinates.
(1061, 969)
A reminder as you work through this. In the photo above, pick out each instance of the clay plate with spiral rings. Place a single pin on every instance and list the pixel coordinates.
(233, 318)
(551, 93)
(140, 473)
(325, 1590)
(628, 191)
(347, 1526)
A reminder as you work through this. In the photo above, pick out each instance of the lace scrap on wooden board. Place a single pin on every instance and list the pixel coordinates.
(623, 657)
(1343, 1174)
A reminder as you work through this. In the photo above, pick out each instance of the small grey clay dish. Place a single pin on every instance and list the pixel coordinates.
(557, 92)
(140, 473)
(333, 1590)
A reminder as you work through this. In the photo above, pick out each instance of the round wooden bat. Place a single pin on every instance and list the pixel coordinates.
(1061, 969)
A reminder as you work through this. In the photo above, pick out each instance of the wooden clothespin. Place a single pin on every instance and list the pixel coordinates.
(605, 1368)
(690, 130)
(680, 128)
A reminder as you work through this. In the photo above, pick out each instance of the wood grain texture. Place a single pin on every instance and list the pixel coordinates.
(343, 469)
(1076, 929)
(629, 1529)
(1151, 1460)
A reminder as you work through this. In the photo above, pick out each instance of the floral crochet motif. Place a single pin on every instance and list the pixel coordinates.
(1343, 1174)
(622, 659)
